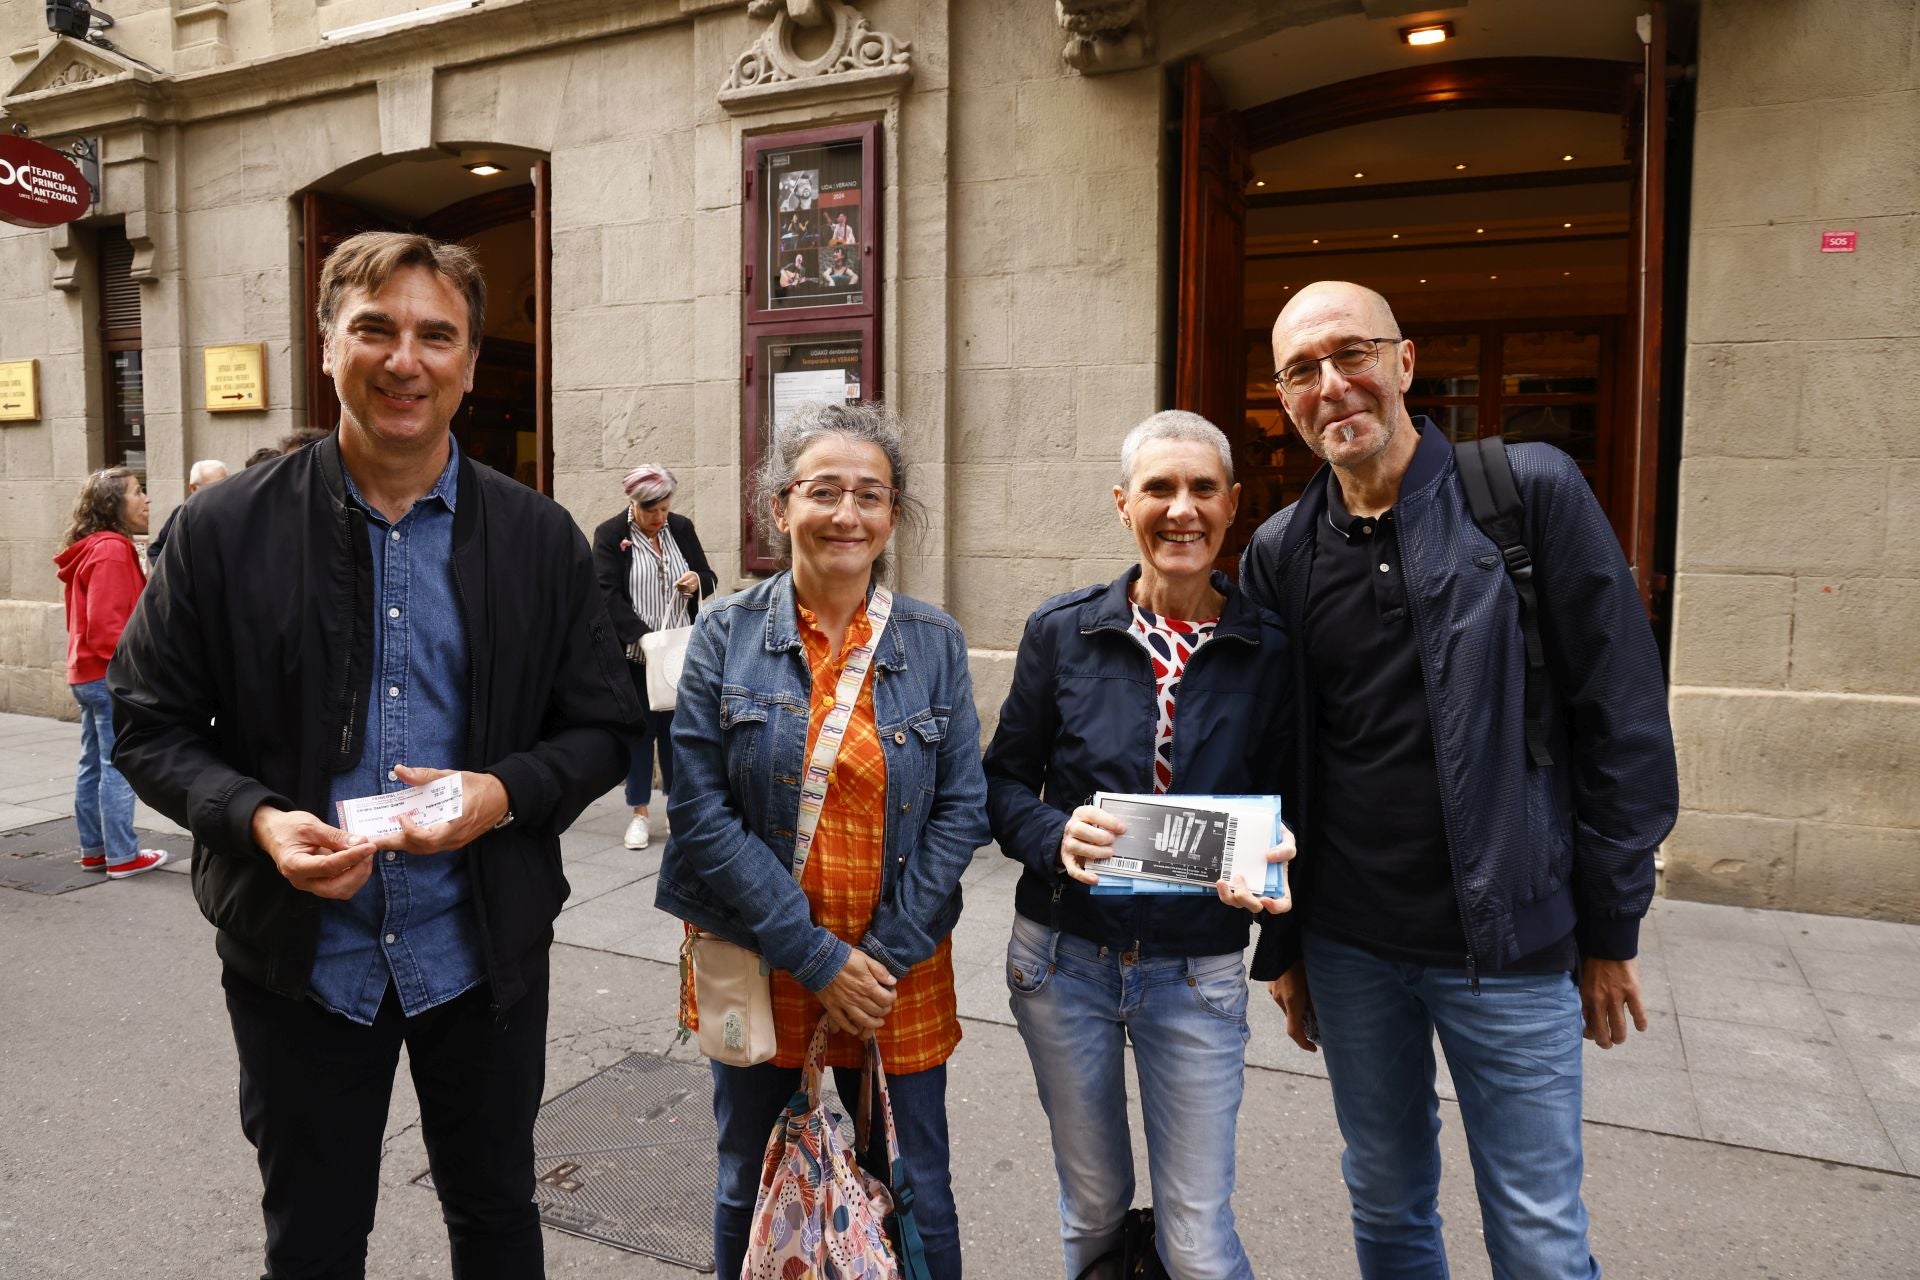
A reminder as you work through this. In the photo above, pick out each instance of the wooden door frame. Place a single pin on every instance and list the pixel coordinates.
(1635, 93)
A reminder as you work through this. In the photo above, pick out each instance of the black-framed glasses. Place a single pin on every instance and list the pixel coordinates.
(825, 494)
(1352, 360)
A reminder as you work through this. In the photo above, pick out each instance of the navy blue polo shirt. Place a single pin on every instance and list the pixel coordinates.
(1379, 877)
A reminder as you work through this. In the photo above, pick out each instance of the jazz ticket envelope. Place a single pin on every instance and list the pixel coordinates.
(438, 801)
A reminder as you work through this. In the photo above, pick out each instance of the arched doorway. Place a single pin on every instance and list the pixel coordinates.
(495, 201)
(1507, 207)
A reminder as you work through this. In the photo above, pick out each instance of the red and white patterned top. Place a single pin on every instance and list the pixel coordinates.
(1171, 644)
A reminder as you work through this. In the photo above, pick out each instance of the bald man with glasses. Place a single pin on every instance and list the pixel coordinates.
(1454, 877)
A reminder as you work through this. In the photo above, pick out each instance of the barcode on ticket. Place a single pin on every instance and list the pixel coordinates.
(1127, 865)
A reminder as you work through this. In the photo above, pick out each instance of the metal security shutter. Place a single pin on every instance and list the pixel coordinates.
(119, 291)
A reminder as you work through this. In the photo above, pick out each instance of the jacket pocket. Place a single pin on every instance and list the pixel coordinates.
(743, 723)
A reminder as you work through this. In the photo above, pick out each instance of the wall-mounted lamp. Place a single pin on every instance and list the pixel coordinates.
(1431, 33)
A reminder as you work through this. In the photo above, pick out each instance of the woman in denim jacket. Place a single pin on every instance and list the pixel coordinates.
(864, 935)
(1096, 685)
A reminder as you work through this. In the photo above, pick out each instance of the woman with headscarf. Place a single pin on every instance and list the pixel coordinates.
(654, 575)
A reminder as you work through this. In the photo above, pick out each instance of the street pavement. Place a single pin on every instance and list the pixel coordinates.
(1767, 1125)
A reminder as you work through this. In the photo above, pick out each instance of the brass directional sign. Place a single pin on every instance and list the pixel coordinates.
(236, 377)
(20, 391)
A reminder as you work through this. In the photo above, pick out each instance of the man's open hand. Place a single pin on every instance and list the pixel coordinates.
(314, 857)
(483, 802)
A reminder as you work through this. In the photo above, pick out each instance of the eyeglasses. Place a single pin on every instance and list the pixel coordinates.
(870, 499)
(1304, 375)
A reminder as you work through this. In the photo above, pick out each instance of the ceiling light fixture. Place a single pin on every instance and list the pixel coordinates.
(1316, 242)
(1457, 168)
(1493, 277)
(1259, 182)
(484, 169)
(1423, 279)
(1430, 33)
(1479, 231)
(1566, 157)
(1566, 224)
(1358, 174)
(1396, 235)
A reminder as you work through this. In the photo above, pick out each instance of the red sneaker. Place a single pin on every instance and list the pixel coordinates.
(93, 862)
(147, 861)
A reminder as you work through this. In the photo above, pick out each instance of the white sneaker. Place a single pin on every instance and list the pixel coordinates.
(637, 834)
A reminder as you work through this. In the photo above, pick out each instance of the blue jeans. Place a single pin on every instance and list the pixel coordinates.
(747, 1101)
(1077, 1005)
(1514, 1052)
(640, 759)
(102, 799)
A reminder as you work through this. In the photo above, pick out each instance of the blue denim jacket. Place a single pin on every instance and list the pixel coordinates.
(739, 738)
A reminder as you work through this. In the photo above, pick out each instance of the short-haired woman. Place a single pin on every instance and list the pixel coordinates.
(865, 933)
(1166, 680)
(100, 572)
(653, 574)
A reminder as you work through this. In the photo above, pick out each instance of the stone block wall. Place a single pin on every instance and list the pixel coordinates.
(1796, 676)
(1057, 242)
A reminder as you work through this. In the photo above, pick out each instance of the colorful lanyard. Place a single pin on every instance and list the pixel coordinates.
(826, 749)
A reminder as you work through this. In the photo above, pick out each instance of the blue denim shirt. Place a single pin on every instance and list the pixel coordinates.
(739, 735)
(412, 923)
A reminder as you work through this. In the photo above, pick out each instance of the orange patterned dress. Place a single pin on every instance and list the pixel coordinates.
(842, 884)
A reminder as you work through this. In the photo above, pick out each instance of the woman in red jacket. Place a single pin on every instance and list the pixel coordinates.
(101, 572)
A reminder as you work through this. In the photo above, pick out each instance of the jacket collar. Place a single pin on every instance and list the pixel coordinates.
(464, 496)
(1111, 610)
(783, 624)
(1429, 464)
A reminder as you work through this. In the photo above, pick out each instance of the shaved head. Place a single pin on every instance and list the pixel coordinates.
(1355, 300)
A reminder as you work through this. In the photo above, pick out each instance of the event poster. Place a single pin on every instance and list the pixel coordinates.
(800, 371)
(813, 209)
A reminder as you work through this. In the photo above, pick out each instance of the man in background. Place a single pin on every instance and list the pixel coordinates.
(207, 471)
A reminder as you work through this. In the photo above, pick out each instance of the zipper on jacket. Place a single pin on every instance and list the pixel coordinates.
(473, 728)
(1440, 774)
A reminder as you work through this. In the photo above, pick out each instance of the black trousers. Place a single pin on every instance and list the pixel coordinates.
(314, 1091)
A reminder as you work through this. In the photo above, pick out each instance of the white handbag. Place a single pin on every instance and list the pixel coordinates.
(664, 652)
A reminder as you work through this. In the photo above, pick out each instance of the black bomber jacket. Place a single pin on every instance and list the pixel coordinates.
(242, 678)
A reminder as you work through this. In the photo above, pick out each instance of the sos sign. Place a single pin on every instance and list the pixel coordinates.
(39, 187)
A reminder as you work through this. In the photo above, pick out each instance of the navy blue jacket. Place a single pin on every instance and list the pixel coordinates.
(1081, 717)
(1535, 852)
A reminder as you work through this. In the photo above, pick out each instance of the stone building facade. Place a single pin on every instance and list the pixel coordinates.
(1031, 301)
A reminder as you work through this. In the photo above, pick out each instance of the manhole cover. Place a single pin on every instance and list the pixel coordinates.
(45, 857)
(626, 1157)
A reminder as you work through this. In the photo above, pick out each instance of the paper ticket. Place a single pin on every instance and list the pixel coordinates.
(441, 800)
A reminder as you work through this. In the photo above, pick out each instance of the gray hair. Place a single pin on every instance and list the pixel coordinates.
(202, 472)
(863, 423)
(1173, 424)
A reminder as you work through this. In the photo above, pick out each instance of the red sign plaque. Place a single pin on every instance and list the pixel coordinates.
(1839, 241)
(39, 187)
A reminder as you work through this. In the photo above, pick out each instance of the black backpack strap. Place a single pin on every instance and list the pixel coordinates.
(1493, 497)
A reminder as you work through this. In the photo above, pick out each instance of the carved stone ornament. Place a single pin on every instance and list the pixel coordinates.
(857, 59)
(1104, 35)
(76, 73)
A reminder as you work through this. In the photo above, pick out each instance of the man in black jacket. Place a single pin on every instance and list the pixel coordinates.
(372, 612)
(1452, 881)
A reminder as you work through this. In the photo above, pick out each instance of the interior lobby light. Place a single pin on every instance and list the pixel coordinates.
(1457, 168)
(484, 169)
(1431, 33)
(1566, 157)
(1358, 174)
(1566, 224)
(1259, 182)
